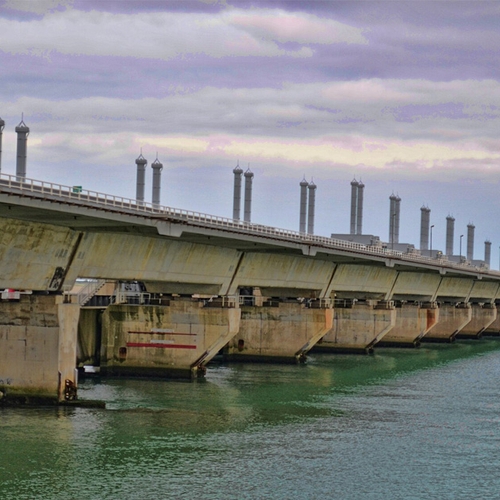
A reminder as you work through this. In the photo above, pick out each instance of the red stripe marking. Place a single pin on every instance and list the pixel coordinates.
(165, 333)
(161, 346)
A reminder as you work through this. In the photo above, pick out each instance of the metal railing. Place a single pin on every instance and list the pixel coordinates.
(82, 197)
(226, 301)
(89, 290)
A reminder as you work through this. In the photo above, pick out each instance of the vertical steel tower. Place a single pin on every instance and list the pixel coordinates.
(425, 218)
(141, 163)
(22, 149)
(237, 171)
(2, 126)
(303, 205)
(450, 234)
(312, 203)
(157, 168)
(354, 205)
(248, 195)
(470, 241)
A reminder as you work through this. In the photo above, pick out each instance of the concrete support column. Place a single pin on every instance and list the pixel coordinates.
(494, 329)
(68, 315)
(413, 321)
(174, 340)
(357, 327)
(279, 331)
(38, 338)
(482, 318)
(452, 319)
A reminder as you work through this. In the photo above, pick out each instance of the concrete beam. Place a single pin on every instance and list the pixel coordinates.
(362, 281)
(484, 291)
(415, 286)
(144, 258)
(452, 289)
(35, 256)
(282, 275)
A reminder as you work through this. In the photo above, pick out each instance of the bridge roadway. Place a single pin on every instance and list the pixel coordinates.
(213, 283)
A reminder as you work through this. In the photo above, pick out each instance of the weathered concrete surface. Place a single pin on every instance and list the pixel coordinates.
(284, 333)
(454, 289)
(68, 315)
(166, 341)
(34, 256)
(494, 329)
(362, 281)
(451, 320)
(37, 348)
(144, 258)
(482, 318)
(357, 328)
(283, 275)
(483, 291)
(415, 286)
(412, 323)
(89, 337)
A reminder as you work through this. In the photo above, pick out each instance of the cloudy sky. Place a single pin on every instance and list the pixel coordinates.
(402, 95)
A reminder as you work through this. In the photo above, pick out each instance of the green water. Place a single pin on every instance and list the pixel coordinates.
(401, 424)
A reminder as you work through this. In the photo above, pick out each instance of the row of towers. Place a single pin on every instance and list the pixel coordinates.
(426, 231)
(247, 213)
(157, 167)
(22, 131)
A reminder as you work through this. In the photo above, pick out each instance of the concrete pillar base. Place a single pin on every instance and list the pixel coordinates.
(358, 328)
(494, 329)
(413, 321)
(482, 317)
(281, 333)
(452, 319)
(37, 350)
(170, 341)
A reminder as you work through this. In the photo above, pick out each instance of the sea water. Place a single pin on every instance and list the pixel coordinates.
(399, 424)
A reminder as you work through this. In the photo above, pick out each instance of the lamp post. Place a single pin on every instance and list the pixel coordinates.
(430, 253)
(461, 236)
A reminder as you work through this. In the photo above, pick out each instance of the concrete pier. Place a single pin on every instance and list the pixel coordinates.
(175, 340)
(452, 318)
(413, 321)
(482, 317)
(358, 327)
(494, 329)
(38, 350)
(279, 331)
